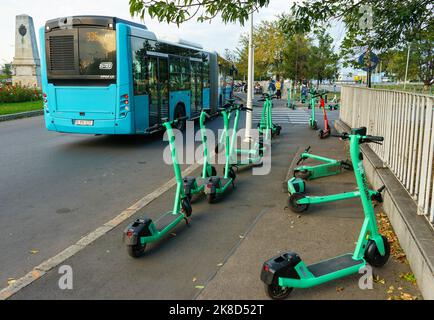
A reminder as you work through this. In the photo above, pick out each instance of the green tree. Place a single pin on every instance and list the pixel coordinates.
(269, 44)
(394, 22)
(323, 61)
(421, 61)
(296, 54)
(7, 69)
(179, 11)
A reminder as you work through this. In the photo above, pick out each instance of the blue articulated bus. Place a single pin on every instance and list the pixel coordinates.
(104, 75)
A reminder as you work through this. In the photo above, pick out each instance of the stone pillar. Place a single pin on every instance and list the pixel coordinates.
(26, 64)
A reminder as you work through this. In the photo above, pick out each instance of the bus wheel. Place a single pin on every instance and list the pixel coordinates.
(179, 112)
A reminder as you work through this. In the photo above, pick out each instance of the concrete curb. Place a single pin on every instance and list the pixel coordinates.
(414, 232)
(21, 115)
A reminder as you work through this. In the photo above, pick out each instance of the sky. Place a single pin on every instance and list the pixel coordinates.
(212, 36)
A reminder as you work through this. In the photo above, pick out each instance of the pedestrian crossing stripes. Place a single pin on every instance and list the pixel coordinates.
(285, 116)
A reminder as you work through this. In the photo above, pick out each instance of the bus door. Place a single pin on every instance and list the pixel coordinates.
(158, 89)
(196, 88)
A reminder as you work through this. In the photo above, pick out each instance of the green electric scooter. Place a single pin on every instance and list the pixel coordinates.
(143, 231)
(267, 117)
(193, 185)
(252, 156)
(299, 202)
(312, 102)
(333, 104)
(287, 271)
(292, 93)
(216, 185)
(330, 167)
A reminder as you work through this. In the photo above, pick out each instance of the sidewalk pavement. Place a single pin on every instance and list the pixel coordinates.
(324, 231)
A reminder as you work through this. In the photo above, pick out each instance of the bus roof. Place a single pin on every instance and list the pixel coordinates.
(103, 21)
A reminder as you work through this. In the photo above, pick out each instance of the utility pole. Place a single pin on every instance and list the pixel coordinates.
(250, 79)
(406, 67)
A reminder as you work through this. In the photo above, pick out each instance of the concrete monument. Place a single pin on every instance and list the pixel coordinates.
(26, 64)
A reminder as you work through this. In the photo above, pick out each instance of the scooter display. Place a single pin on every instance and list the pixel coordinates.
(329, 167)
(144, 230)
(282, 273)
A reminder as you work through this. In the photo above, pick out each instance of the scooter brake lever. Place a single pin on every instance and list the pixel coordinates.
(381, 189)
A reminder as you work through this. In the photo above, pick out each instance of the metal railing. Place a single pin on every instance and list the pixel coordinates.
(406, 121)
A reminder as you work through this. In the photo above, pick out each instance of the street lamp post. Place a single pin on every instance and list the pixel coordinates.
(406, 66)
(250, 79)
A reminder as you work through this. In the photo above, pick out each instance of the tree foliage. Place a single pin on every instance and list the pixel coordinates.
(290, 56)
(394, 22)
(179, 11)
(323, 61)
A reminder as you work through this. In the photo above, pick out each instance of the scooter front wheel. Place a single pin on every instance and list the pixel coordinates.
(276, 292)
(294, 205)
(373, 256)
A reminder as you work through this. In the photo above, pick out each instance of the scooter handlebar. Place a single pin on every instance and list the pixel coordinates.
(373, 139)
(343, 135)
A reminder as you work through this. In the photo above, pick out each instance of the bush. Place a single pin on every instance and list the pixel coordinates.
(19, 93)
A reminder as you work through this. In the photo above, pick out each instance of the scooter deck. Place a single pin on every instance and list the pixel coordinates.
(333, 265)
(165, 220)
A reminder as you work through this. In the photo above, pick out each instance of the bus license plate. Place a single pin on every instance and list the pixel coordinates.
(83, 122)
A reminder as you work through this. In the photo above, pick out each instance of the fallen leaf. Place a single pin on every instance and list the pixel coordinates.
(220, 264)
(194, 279)
(409, 276)
(34, 251)
(199, 287)
(241, 237)
(11, 281)
(378, 280)
(406, 296)
(339, 289)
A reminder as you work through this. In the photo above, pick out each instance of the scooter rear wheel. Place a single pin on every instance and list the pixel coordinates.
(137, 250)
(276, 292)
(294, 206)
(211, 197)
(373, 256)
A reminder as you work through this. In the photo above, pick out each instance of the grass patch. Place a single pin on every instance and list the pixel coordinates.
(16, 107)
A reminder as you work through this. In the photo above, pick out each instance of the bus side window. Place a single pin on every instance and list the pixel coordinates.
(140, 67)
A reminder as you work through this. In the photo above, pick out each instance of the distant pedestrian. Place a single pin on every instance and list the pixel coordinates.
(271, 86)
(278, 89)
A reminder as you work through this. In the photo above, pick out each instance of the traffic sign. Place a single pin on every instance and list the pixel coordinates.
(374, 61)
